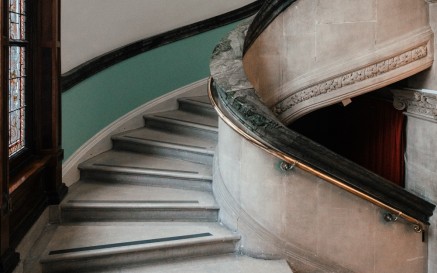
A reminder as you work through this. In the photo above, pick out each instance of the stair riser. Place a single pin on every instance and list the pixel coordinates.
(148, 180)
(163, 151)
(179, 128)
(135, 257)
(197, 108)
(129, 214)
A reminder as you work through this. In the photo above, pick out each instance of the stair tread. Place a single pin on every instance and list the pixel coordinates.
(146, 164)
(168, 139)
(201, 99)
(92, 194)
(86, 240)
(179, 116)
(199, 105)
(216, 264)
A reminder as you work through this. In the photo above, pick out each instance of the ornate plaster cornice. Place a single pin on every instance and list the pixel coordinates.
(351, 78)
(418, 102)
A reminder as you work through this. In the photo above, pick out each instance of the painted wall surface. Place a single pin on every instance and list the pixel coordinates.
(96, 102)
(93, 27)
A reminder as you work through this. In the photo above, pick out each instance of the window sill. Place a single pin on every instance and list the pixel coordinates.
(31, 169)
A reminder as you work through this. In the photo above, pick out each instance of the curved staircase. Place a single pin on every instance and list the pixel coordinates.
(147, 206)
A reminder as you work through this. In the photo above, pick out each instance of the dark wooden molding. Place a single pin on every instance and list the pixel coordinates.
(56, 192)
(8, 261)
(267, 13)
(93, 66)
(26, 209)
(32, 180)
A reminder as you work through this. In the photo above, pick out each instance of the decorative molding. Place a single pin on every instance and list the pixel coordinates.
(98, 64)
(243, 110)
(416, 102)
(357, 76)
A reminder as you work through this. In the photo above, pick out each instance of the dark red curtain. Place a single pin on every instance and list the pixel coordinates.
(369, 131)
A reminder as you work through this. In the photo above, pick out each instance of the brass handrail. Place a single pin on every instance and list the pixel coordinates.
(418, 226)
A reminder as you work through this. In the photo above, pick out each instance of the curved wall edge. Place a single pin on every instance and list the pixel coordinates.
(99, 63)
(386, 42)
(101, 142)
(96, 102)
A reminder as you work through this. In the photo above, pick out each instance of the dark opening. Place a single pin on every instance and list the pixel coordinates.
(369, 131)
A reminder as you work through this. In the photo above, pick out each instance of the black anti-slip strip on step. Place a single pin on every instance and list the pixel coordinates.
(134, 201)
(199, 101)
(133, 243)
(187, 121)
(165, 142)
(141, 168)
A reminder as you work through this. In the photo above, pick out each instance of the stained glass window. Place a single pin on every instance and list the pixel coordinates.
(17, 20)
(17, 75)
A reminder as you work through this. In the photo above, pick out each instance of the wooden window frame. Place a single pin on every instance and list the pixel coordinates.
(31, 180)
(26, 155)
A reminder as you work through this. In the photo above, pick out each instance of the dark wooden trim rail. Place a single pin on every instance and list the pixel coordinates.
(93, 66)
(267, 13)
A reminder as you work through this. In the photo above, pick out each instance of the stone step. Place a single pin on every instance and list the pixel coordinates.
(151, 170)
(213, 264)
(198, 105)
(95, 201)
(182, 122)
(92, 247)
(146, 140)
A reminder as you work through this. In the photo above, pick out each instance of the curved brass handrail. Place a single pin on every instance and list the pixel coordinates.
(236, 101)
(418, 226)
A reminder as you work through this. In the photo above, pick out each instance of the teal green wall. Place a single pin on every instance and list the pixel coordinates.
(93, 104)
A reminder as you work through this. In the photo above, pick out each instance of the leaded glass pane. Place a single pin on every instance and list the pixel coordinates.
(17, 19)
(17, 79)
(17, 75)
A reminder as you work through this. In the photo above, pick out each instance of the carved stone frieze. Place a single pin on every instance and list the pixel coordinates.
(351, 78)
(416, 102)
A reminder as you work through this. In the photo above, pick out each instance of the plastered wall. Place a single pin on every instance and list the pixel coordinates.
(93, 27)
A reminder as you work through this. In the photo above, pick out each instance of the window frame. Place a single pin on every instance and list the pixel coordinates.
(32, 179)
(25, 155)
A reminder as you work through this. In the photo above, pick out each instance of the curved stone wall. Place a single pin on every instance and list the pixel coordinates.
(312, 223)
(319, 52)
